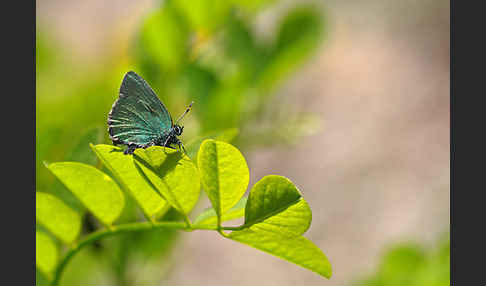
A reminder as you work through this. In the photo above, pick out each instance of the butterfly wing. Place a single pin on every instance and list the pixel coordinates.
(137, 116)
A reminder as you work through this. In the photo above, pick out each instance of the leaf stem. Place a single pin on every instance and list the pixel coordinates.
(122, 228)
(130, 227)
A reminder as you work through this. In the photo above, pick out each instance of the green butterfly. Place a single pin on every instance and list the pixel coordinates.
(139, 119)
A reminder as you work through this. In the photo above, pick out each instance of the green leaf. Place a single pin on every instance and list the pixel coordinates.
(224, 174)
(58, 218)
(209, 217)
(124, 170)
(275, 205)
(78, 153)
(298, 250)
(46, 253)
(172, 174)
(96, 190)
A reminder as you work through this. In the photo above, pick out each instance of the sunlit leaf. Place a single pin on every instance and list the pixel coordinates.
(46, 253)
(57, 217)
(172, 174)
(298, 250)
(224, 174)
(275, 205)
(78, 153)
(96, 190)
(124, 170)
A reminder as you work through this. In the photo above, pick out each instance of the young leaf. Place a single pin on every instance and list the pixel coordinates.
(78, 153)
(172, 174)
(46, 253)
(58, 218)
(209, 217)
(124, 170)
(96, 190)
(276, 205)
(224, 174)
(298, 249)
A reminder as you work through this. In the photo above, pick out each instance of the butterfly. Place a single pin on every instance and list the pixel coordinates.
(139, 119)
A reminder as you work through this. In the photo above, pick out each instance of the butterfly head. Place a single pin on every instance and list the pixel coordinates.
(178, 129)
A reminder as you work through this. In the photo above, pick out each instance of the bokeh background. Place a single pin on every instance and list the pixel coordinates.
(348, 99)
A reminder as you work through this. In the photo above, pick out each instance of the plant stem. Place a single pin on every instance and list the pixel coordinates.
(124, 228)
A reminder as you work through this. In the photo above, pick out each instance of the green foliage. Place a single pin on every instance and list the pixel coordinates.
(298, 36)
(298, 250)
(412, 265)
(276, 206)
(95, 189)
(209, 52)
(62, 221)
(203, 14)
(125, 172)
(209, 217)
(46, 253)
(224, 174)
(161, 28)
(172, 174)
(187, 50)
(275, 213)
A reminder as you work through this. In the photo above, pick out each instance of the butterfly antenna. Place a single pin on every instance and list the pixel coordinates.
(185, 112)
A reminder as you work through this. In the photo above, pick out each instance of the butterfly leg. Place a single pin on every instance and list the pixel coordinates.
(165, 144)
(130, 149)
(183, 149)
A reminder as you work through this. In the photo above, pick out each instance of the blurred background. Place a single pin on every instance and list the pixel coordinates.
(348, 99)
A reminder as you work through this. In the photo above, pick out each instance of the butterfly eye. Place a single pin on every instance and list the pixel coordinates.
(178, 129)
